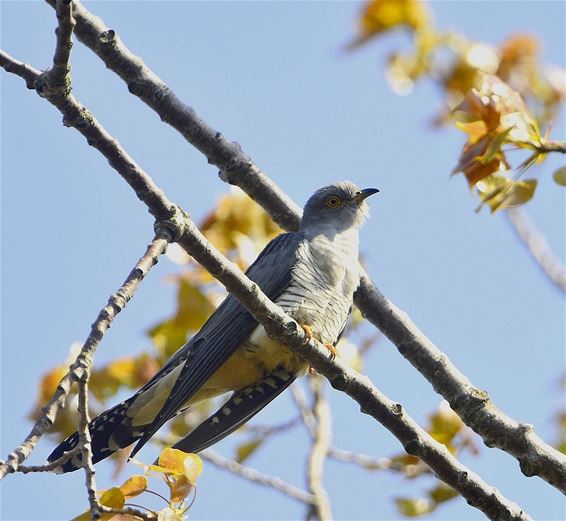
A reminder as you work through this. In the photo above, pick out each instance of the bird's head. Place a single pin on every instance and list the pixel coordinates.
(339, 206)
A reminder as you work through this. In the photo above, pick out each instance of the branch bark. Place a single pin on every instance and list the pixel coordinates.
(278, 325)
(473, 405)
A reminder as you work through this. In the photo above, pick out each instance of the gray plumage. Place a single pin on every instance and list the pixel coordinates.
(312, 274)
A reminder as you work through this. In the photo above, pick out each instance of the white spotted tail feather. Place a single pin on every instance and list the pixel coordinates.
(240, 408)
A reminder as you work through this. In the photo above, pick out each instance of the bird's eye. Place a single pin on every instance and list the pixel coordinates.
(333, 201)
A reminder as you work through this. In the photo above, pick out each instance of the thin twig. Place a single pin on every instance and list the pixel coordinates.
(85, 443)
(319, 449)
(282, 328)
(26, 469)
(146, 516)
(473, 405)
(537, 246)
(257, 477)
(363, 460)
(116, 303)
(300, 398)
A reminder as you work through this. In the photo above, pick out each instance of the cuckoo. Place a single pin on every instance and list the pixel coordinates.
(312, 274)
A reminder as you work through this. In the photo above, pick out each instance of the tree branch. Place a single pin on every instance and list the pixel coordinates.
(116, 303)
(320, 446)
(279, 326)
(58, 77)
(257, 477)
(473, 405)
(537, 246)
(85, 441)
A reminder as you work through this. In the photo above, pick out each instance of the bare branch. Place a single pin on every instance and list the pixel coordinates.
(116, 303)
(279, 326)
(257, 477)
(300, 398)
(26, 469)
(363, 460)
(59, 75)
(321, 443)
(473, 405)
(21, 69)
(146, 516)
(85, 441)
(537, 246)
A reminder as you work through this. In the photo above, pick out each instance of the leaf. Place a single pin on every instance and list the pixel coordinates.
(193, 467)
(414, 507)
(559, 176)
(180, 470)
(499, 192)
(245, 450)
(442, 492)
(170, 514)
(134, 486)
(49, 384)
(112, 498)
(383, 15)
(445, 424)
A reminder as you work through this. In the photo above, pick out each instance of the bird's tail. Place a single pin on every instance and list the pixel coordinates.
(109, 433)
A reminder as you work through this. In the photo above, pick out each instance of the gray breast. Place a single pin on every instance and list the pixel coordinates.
(324, 279)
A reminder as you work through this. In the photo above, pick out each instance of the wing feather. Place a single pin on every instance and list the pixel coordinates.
(224, 331)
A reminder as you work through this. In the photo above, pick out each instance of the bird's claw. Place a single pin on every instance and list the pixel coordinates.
(310, 335)
(332, 349)
(308, 332)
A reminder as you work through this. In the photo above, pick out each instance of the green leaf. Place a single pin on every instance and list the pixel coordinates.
(560, 176)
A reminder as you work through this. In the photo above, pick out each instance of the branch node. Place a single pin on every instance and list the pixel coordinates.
(173, 227)
(414, 447)
(397, 409)
(107, 37)
(340, 382)
(46, 88)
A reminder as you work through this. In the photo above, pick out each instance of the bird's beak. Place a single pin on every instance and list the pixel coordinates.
(364, 194)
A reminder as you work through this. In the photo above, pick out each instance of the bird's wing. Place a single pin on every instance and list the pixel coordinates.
(222, 334)
(240, 408)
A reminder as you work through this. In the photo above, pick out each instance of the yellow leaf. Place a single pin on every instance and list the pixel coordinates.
(245, 450)
(444, 425)
(442, 492)
(134, 486)
(193, 467)
(49, 384)
(112, 498)
(414, 507)
(173, 460)
(499, 192)
(559, 176)
(383, 15)
(193, 306)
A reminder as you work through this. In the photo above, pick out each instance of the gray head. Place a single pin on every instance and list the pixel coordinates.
(339, 206)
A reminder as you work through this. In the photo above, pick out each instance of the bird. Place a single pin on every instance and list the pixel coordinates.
(311, 274)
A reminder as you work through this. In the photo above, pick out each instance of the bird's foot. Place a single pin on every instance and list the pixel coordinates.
(308, 332)
(310, 335)
(332, 349)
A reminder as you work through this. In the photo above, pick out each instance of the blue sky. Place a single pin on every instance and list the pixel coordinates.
(271, 75)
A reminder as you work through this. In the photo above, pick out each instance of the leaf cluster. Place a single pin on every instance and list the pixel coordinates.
(500, 96)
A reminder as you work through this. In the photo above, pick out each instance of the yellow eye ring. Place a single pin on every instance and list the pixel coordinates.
(333, 201)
